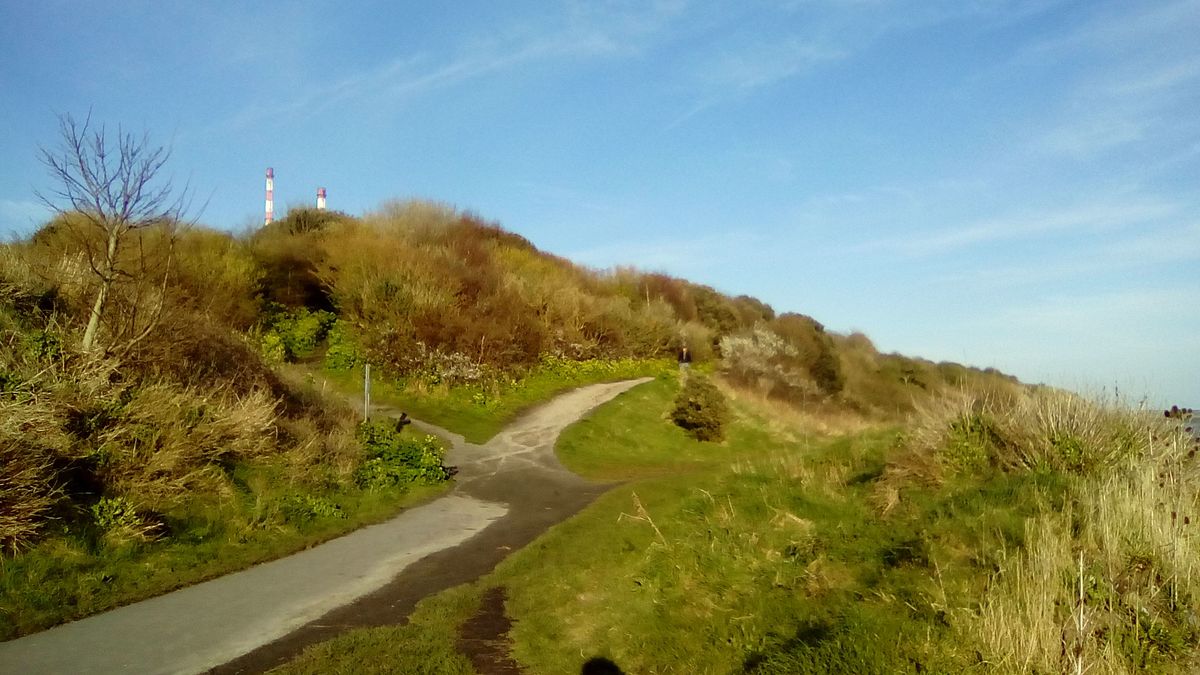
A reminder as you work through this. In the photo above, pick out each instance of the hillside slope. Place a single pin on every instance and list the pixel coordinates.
(201, 435)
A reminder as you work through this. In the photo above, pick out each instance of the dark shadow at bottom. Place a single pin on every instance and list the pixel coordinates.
(599, 665)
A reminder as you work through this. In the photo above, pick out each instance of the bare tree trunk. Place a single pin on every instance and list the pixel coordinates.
(89, 334)
(106, 279)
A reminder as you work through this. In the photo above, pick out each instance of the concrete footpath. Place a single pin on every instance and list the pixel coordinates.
(512, 486)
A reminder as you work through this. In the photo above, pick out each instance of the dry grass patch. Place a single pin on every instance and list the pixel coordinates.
(1107, 581)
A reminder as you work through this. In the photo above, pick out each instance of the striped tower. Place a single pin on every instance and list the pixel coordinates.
(270, 196)
(320, 199)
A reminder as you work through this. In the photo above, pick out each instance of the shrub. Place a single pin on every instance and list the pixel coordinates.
(163, 443)
(700, 409)
(343, 353)
(393, 461)
(217, 278)
(763, 359)
(291, 336)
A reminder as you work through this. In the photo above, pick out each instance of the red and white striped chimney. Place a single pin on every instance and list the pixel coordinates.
(320, 199)
(270, 196)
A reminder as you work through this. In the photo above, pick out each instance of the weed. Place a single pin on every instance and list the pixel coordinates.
(393, 461)
(300, 509)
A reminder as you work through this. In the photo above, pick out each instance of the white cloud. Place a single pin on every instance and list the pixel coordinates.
(1087, 136)
(1125, 30)
(1149, 252)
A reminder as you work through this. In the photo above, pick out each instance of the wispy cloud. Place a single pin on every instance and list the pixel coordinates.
(812, 34)
(1103, 314)
(1122, 27)
(763, 65)
(1146, 252)
(739, 72)
(1137, 87)
(586, 32)
(1095, 217)
(1087, 135)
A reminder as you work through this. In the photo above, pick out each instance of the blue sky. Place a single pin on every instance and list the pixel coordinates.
(1008, 183)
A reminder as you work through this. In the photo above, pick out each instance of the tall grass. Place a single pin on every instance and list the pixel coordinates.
(1125, 532)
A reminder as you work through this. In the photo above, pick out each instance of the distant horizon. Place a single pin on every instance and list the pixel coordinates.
(1012, 184)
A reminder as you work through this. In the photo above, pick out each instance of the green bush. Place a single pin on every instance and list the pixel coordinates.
(295, 335)
(394, 461)
(700, 409)
(343, 353)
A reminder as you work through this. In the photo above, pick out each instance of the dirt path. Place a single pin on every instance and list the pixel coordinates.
(484, 637)
(507, 492)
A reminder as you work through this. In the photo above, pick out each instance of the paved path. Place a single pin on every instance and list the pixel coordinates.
(507, 492)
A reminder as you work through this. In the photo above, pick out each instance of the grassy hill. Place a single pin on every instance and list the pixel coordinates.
(211, 430)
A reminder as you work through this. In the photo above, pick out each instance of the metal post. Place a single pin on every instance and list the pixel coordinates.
(367, 393)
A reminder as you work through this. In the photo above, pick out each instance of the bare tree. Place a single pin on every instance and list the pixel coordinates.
(117, 208)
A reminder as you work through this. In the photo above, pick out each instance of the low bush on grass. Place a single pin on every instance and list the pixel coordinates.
(394, 461)
(700, 409)
(343, 353)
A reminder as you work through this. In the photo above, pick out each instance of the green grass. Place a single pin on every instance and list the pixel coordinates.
(631, 439)
(759, 554)
(480, 412)
(78, 573)
(423, 646)
(704, 563)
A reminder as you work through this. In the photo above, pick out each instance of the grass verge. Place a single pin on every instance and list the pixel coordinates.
(77, 573)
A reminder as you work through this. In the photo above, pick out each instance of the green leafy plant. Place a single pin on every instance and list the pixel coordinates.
(343, 353)
(291, 336)
(305, 508)
(394, 461)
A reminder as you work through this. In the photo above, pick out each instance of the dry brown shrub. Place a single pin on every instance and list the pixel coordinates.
(1040, 428)
(794, 422)
(28, 491)
(192, 351)
(171, 441)
(32, 437)
(217, 278)
(316, 430)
